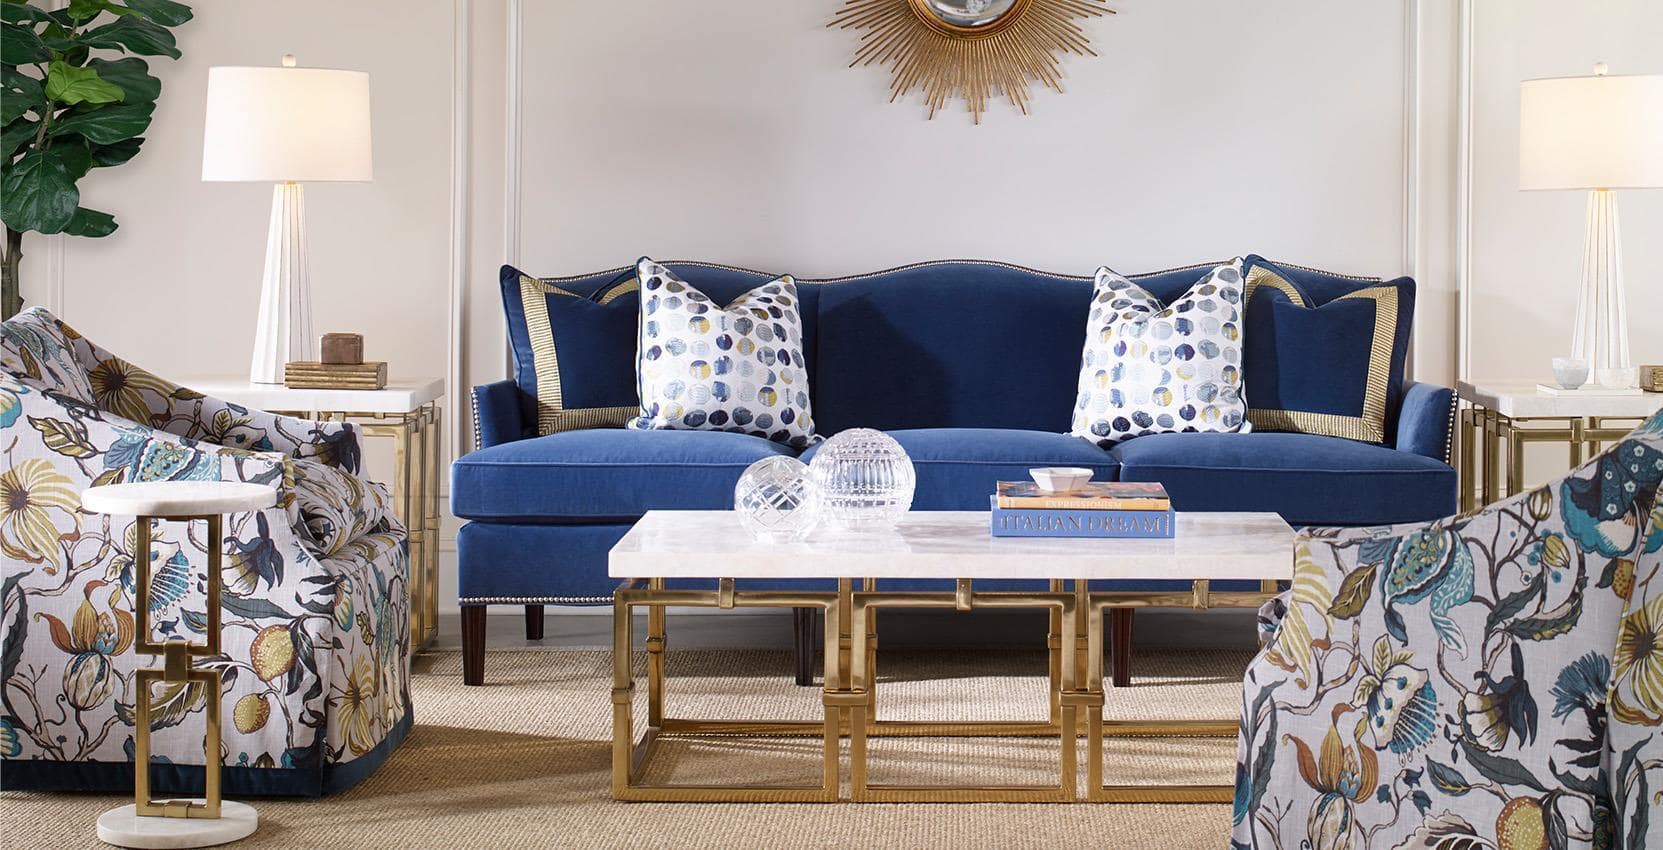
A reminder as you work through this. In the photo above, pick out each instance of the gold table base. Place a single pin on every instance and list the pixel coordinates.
(1075, 649)
(416, 471)
(1485, 434)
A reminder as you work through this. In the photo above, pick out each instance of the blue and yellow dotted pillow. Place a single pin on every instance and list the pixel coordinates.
(738, 368)
(1149, 369)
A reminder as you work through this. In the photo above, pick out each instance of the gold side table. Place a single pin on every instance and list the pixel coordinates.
(405, 411)
(207, 821)
(1499, 418)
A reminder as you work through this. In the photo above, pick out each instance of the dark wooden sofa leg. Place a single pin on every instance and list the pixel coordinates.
(1120, 646)
(473, 644)
(533, 622)
(802, 626)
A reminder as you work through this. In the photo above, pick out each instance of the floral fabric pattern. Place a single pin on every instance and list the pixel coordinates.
(315, 646)
(1492, 680)
(337, 507)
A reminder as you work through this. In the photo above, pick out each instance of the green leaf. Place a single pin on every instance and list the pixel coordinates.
(38, 194)
(73, 152)
(17, 13)
(19, 93)
(132, 75)
(16, 135)
(164, 12)
(90, 222)
(1514, 602)
(134, 35)
(106, 124)
(19, 45)
(1550, 624)
(104, 156)
(1354, 592)
(86, 10)
(1500, 769)
(72, 85)
(61, 437)
(1447, 779)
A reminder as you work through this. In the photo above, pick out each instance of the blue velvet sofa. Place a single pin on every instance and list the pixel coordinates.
(972, 366)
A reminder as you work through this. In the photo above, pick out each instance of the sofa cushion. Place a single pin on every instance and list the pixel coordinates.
(574, 349)
(1325, 352)
(957, 467)
(574, 338)
(705, 366)
(603, 474)
(1309, 480)
(1153, 368)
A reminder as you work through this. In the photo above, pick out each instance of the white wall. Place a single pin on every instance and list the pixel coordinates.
(1318, 132)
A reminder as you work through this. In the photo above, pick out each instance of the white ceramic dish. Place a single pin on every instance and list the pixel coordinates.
(1060, 479)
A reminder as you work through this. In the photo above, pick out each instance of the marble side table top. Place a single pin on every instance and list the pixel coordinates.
(953, 544)
(177, 498)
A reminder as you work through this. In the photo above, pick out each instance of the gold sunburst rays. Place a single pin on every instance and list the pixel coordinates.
(947, 60)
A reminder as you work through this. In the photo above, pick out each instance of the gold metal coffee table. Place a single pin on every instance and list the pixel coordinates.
(954, 545)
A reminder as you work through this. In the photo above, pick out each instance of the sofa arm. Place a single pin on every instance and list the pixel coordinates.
(1426, 421)
(497, 415)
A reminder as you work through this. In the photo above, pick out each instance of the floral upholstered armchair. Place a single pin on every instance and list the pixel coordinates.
(1492, 680)
(315, 632)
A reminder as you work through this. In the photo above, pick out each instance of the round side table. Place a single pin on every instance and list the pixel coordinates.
(209, 820)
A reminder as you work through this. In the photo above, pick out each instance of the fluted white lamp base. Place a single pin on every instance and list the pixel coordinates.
(284, 331)
(1600, 336)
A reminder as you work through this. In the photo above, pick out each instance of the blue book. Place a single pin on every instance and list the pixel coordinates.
(1008, 522)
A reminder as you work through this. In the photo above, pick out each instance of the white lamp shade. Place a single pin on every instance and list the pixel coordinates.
(286, 124)
(1591, 133)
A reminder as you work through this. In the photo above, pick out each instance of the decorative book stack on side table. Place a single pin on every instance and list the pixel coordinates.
(408, 412)
(1517, 412)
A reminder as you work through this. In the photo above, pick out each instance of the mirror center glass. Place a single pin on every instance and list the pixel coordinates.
(970, 13)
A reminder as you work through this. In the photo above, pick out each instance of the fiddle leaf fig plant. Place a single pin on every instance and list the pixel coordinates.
(71, 99)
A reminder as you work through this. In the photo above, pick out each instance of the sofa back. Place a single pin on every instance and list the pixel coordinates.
(952, 343)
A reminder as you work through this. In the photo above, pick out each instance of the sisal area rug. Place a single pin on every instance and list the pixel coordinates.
(523, 761)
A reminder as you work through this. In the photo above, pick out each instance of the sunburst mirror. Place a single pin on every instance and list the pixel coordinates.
(970, 49)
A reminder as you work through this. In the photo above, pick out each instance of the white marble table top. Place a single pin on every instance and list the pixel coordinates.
(401, 396)
(177, 498)
(952, 544)
(1522, 400)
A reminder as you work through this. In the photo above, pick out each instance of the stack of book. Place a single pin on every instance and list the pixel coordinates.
(313, 375)
(1097, 509)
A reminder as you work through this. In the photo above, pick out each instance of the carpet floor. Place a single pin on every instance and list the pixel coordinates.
(524, 761)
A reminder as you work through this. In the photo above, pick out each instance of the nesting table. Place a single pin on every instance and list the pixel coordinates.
(953, 545)
(1514, 413)
(407, 412)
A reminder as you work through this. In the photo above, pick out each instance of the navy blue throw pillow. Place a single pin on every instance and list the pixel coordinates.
(574, 349)
(1324, 353)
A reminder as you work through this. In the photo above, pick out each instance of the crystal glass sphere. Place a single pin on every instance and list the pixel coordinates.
(866, 479)
(777, 500)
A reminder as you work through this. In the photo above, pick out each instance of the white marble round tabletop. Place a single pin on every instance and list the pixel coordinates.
(177, 498)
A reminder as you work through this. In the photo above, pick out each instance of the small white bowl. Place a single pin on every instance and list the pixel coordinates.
(1060, 479)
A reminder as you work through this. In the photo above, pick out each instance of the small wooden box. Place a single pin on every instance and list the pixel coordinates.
(342, 349)
(316, 375)
(1651, 379)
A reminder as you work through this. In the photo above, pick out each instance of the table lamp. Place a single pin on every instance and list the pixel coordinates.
(1597, 133)
(286, 126)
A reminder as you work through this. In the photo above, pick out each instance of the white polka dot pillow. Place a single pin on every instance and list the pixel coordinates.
(1150, 370)
(709, 368)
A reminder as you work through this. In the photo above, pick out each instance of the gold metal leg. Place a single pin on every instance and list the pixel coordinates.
(1515, 459)
(435, 509)
(1468, 459)
(1577, 426)
(623, 696)
(655, 659)
(176, 670)
(1492, 458)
